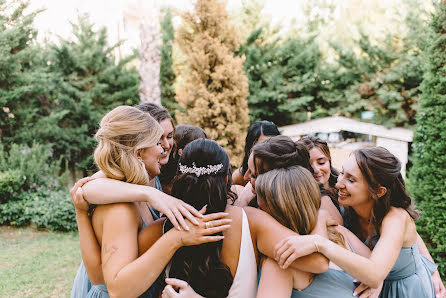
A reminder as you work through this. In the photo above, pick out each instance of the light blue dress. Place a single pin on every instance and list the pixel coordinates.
(411, 276)
(82, 287)
(333, 283)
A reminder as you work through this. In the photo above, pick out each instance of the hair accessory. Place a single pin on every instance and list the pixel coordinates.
(199, 171)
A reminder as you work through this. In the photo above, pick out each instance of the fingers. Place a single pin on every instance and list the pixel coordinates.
(360, 289)
(177, 283)
(215, 230)
(293, 257)
(169, 292)
(194, 211)
(181, 220)
(187, 213)
(80, 183)
(280, 248)
(205, 239)
(172, 219)
(284, 256)
(212, 216)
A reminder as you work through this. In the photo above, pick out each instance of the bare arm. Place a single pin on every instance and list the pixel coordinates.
(274, 281)
(371, 271)
(90, 250)
(106, 191)
(120, 248)
(267, 232)
(440, 290)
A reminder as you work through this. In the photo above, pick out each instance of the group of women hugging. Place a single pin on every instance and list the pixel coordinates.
(166, 217)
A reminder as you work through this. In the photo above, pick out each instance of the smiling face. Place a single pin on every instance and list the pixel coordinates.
(321, 166)
(251, 174)
(166, 139)
(151, 157)
(352, 187)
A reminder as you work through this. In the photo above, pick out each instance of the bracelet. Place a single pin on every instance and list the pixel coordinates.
(315, 244)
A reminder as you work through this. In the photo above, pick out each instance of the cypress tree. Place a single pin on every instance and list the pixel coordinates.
(215, 89)
(428, 174)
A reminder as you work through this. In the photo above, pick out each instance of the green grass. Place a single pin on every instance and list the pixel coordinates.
(37, 263)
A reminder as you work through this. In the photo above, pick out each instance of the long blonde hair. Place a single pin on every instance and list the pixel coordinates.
(292, 196)
(122, 132)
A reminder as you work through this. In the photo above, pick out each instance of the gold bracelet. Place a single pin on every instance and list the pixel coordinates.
(315, 244)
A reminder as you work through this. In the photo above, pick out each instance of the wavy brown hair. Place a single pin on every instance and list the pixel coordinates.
(380, 168)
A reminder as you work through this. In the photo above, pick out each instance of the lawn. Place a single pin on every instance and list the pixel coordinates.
(37, 263)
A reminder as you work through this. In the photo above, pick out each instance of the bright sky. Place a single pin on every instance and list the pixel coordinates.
(55, 19)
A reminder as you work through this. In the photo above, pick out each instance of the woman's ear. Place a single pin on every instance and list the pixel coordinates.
(138, 153)
(381, 191)
(180, 151)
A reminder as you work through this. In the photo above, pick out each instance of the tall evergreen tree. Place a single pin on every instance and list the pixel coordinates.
(85, 84)
(283, 78)
(428, 175)
(22, 70)
(215, 89)
(167, 75)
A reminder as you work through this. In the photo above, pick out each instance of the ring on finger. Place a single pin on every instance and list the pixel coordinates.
(207, 225)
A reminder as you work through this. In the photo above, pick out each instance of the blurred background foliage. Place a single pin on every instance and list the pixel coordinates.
(336, 58)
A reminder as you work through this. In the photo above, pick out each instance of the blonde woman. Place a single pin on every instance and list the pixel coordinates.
(129, 150)
(292, 197)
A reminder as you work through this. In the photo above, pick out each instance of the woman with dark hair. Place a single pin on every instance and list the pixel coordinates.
(380, 212)
(227, 268)
(320, 160)
(281, 152)
(257, 132)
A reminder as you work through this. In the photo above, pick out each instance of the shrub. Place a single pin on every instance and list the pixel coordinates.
(45, 209)
(11, 182)
(428, 175)
(53, 210)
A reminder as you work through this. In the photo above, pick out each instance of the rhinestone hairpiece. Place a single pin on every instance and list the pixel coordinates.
(199, 171)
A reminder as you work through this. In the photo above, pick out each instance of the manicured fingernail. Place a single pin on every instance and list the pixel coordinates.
(196, 222)
(187, 228)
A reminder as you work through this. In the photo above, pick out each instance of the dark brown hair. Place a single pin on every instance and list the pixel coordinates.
(200, 265)
(255, 131)
(280, 152)
(311, 142)
(379, 168)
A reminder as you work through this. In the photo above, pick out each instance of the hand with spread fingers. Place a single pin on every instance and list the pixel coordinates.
(77, 196)
(206, 229)
(364, 291)
(178, 288)
(175, 210)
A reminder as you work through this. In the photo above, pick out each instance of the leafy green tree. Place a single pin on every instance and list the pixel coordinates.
(428, 175)
(215, 89)
(86, 83)
(283, 78)
(167, 75)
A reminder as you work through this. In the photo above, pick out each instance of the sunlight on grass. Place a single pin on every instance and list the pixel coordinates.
(37, 263)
